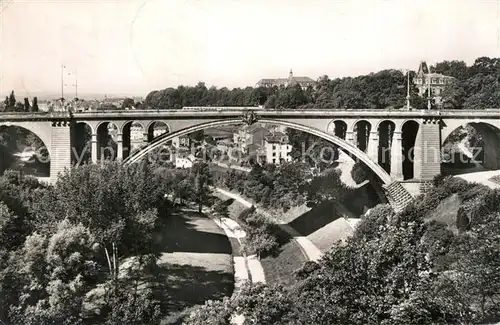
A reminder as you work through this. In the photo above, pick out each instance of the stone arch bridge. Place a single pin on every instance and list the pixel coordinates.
(403, 148)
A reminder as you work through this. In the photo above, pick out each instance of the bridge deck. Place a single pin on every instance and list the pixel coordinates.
(214, 113)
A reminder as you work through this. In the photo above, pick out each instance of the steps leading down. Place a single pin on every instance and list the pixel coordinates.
(398, 196)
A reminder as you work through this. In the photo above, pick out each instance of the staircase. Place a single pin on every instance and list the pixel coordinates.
(398, 196)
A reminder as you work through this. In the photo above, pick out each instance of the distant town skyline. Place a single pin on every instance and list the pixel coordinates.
(133, 47)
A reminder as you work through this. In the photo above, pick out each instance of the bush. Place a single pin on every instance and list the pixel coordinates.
(358, 173)
(216, 312)
(261, 238)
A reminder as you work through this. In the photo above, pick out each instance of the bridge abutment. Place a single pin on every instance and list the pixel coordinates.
(427, 158)
(60, 159)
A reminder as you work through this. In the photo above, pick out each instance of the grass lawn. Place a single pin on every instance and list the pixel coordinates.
(446, 212)
(195, 264)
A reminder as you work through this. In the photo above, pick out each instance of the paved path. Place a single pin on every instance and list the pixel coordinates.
(482, 178)
(308, 248)
(245, 268)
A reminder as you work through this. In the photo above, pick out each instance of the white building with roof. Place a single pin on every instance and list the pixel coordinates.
(185, 161)
(277, 148)
(304, 82)
(426, 80)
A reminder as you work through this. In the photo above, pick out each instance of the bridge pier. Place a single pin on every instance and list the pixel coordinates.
(396, 156)
(428, 152)
(373, 145)
(60, 156)
(349, 137)
(119, 147)
(94, 144)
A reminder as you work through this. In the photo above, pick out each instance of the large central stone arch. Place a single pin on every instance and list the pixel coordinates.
(159, 141)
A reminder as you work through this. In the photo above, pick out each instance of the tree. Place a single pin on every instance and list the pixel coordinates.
(27, 106)
(210, 140)
(12, 100)
(128, 103)
(262, 304)
(453, 96)
(197, 136)
(327, 187)
(202, 183)
(35, 104)
(456, 69)
(19, 107)
(216, 312)
(358, 173)
(221, 210)
(137, 308)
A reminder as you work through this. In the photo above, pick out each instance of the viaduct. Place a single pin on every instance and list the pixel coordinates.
(403, 148)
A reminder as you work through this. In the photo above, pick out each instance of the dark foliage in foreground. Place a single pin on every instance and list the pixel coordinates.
(395, 269)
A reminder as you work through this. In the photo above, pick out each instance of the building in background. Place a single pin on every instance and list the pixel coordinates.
(436, 82)
(136, 136)
(159, 130)
(250, 135)
(304, 82)
(181, 141)
(276, 149)
(185, 161)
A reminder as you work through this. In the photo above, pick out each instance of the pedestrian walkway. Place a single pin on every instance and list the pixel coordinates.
(245, 267)
(308, 248)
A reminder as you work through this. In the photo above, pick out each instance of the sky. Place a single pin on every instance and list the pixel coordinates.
(130, 47)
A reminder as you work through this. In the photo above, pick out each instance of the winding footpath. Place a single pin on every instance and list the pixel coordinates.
(307, 247)
(245, 267)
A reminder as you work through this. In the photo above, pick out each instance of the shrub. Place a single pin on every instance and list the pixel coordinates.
(358, 173)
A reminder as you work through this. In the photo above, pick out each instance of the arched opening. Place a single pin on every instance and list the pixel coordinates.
(24, 151)
(340, 129)
(409, 132)
(362, 134)
(156, 129)
(81, 144)
(132, 137)
(471, 148)
(107, 133)
(385, 133)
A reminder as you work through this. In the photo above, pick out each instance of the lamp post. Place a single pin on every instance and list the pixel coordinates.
(429, 91)
(408, 90)
(62, 84)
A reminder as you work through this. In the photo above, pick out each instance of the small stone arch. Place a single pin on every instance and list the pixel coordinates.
(338, 128)
(385, 130)
(150, 129)
(362, 129)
